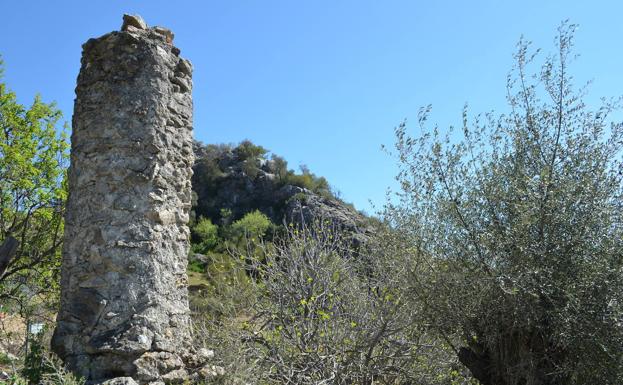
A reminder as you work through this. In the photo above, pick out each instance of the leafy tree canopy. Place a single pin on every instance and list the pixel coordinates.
(33, 158)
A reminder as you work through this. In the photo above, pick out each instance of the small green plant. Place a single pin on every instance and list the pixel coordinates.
(34, 367)
(56, 374)
(51, 372)
(16, 379)
(196, 266)
(5, 359)
(205, 236)
(298, 197)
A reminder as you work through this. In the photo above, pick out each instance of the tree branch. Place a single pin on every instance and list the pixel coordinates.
(8, 249)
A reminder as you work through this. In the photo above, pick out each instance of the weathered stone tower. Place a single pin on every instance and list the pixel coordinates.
(124, 306)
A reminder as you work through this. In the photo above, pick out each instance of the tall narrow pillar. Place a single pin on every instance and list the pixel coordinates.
(124, 302)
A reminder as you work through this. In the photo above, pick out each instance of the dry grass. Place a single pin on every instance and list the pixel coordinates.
(12, 333)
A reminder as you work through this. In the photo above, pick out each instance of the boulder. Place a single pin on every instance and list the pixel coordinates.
(134, 21)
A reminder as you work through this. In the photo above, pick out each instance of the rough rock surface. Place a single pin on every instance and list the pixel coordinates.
(307, 207)
(120, 381)
(241, 189)
(124, 314)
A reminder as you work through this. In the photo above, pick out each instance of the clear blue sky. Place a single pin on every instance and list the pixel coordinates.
(320, 82)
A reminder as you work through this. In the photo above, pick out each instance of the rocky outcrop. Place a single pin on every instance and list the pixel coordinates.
(223, 180)
(240, 185)
(306, 207)
(124, 314)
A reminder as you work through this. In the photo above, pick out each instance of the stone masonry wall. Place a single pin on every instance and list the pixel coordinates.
(124, 306)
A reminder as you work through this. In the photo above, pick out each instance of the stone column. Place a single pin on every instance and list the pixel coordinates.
(124, 301)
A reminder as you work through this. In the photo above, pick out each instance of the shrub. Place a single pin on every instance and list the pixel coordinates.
(517, 231)
(324, 316)
(247, 150)
(205, 235)
(254, 225)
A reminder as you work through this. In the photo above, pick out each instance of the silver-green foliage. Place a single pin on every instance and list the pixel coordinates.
(327, 315)
(517, 227)
(52, 372)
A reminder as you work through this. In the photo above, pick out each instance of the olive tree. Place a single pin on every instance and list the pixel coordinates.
(516, 226)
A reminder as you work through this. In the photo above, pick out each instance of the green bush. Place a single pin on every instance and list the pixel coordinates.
(205, 235)
(196, 266)
(247, 150)
(4, 359)
(50, 371)
(298, 197)
(254, 226)
(34, 365)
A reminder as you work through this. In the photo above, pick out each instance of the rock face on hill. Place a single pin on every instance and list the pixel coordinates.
(231, 182)
(306, 207)
(227, 181)
(124, 314)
